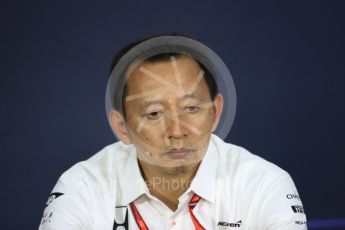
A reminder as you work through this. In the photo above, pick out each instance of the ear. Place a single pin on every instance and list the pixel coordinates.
(117, 124)
(218, 108)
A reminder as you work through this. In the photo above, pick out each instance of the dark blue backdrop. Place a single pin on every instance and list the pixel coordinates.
(287, 60)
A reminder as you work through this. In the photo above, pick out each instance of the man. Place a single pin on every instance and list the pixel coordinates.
(169, 171)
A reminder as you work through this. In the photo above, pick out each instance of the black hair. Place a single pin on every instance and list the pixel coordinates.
(162, 57)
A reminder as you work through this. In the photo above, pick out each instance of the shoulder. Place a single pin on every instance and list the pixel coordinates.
(257, 190)
(237, 161)
(102, 168)
(82, 187)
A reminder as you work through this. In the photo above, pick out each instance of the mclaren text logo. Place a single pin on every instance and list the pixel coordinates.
(232, 225)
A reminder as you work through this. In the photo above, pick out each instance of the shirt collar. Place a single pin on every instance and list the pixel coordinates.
(132, 183)
(203, 183)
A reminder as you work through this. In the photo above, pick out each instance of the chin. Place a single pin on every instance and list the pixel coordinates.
(180, 167)
(177, 170)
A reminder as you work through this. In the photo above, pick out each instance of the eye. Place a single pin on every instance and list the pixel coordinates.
(191, 109)
(153, 115)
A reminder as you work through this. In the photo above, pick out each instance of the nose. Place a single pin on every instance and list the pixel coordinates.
(175, 129)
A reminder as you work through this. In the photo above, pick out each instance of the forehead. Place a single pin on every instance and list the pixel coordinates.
(180, 71)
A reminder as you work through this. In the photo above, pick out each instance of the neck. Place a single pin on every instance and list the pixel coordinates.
(166, 185)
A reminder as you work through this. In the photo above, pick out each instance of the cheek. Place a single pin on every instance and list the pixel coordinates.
(202, 121)
(150, 136)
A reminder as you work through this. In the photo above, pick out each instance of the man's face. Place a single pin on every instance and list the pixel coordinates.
(169, 113)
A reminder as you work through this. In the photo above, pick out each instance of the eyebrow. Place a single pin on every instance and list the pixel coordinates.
(189, 95)
(155, 102)
(148, 103)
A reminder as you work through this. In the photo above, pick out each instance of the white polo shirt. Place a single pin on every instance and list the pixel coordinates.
(238, 190)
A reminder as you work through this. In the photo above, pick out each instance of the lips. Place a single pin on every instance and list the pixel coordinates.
(178, 153)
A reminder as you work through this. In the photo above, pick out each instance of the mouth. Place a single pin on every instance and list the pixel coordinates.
(178, 153)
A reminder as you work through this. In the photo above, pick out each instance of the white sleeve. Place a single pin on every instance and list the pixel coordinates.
(281, 206)
(67, 207)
